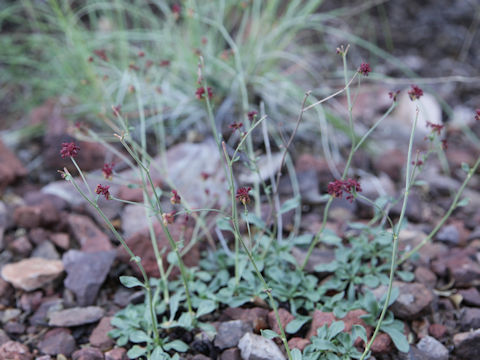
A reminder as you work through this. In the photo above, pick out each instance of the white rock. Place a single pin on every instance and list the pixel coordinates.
(255, 347)
(32, 273)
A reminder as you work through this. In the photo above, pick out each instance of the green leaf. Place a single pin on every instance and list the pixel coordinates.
(304, 239)
(174, 303)
(290, 204)
(251, 218)
(296, 354)
(463, 202)
(159, 354)
(336, 328)
(330, 267)
(398, 338)
(136, 351)
(177, 345)
(406, 275)
(295, 325)
(130, 281)
(371, 281)
(465, 167)
(269, 334)
(205, 307)
(223, 223)
(139, 336)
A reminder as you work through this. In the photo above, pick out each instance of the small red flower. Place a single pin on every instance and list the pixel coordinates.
(103, 190)
(165, 63)
(417, 162)
(393, 94)
(141, 54)
(168, 217)
(242, 195)
(102, 54)
(251, 115)
(201, 92)
(338, 187)
(133, 67)
(435, 127)
(477, 116)
(176, 9)
(69, 150)
(175, 199)
(444, 144)
(204, 175)
(107, 171)
(415, 93)
(236, 126)
(148, 64)
(117, 110)
(364, 69)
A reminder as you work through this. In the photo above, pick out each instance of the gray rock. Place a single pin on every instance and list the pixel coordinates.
(449, 235)
(471, 296)
(99, 336)
(432, 349)
(255, 347)
(57, 341)
(87, 353)
(134, 219)
(13, 350)
(90, 237)
(40, 317)
(86, 272)
(3, 337)
(76, 316)
(230, 332)
(470, 318)
(46, 250)
(467, 345)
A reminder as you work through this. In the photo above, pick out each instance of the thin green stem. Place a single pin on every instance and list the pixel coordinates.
(82, 176)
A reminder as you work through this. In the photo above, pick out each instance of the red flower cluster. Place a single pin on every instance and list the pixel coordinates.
(236, 125)
(175, 199)
(349, 186)
(107, 171)
(103, 190)
(364, 69)
(251, 115)
(435, 127)
(393, 94)
(168, 218)
(242, 195)
(102, 54)
(200, 93)
(69, 150)
(415, 93)
(477, 116)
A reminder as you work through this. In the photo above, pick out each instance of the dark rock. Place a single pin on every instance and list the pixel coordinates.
(12, 350)
(116, 354)
(471, 296)
(391, 163)
(438, 331)
(38, 235)
(76, 316)
(14, 328)
(30, 302)
(28, 217)
(470, 318)
(87, 353)
(255, 347)
(40, 317)
(285, 318)
(425, 276)
(3, 337)
(88, 235)
(230, 332)
(467, 345)
(6, 292)
(200, 357)
(99, 336)
(21, 246)
(141, 246)
(231, 354)
(86, 272)
(432, 349)
(464, 270)
(10, 167)
(57, 341)
(319, 318)
(449, 235)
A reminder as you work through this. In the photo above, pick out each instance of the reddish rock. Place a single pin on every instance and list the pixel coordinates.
(298, 343)
(10, 167)
(57, 341)
(141, 246)
(438, 331)
(129, 194)
(3, 337)
(382, 344)
(116, 354)
(467, 344)
(14, 328)
(87, 353)
(32, 273)
(391, 162)
(464, 271)
(27, 216)
(285, 318)
(89, 236)
(414, 299)
(21, 246)
(62, 240)
(12, 350)
(99, 336)
(38, 235)
(231, 354)
(353, 318)
(30, 302)
(256, 316)
(319, 318)
(425, 276)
